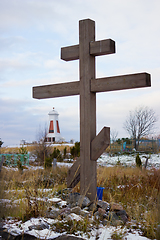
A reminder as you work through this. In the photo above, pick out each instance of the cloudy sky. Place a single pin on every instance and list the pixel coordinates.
(32, 33)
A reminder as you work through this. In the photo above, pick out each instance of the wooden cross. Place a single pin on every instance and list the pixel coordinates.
(91, 146)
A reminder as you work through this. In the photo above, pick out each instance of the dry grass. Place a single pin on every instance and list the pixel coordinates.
(31, 148)
(135, 189)
(26, 187)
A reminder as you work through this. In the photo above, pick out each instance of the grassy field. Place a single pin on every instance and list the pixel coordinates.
(135, 189)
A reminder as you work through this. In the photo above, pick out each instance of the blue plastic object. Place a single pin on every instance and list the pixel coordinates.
(100, 193)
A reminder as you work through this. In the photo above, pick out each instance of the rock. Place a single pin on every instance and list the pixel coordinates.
(62, 204)
(53, 213)
(39, 226)
(112, 216)
(55, 200)
(85, 213)
(25, 236)
(116, 207)
(114, 219)
(72, 199)
(116, 223)
(76, 210)
(74, 216)
(101, 212)
(121, 212)
(67, 237)
(75, 199)
(4, 234)
(65, 212)
(64, 193)
(96, 214)
(105, 222)
(122, 215)
(104, 205)
(92, 206)
(83, 201)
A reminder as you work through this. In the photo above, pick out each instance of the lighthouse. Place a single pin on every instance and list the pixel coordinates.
(53, 134)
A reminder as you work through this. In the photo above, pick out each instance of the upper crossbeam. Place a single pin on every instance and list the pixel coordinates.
(97, 48)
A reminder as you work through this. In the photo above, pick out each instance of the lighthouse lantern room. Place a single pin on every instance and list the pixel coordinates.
(53, 134)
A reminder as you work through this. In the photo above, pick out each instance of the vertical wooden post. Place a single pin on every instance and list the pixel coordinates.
(88, 174)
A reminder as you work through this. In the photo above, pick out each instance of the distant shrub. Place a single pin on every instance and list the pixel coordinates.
(19, 165)
(56, 154)
(48, 162)
(75, 150)
(64, 152)
(127, 140)
(22, 150)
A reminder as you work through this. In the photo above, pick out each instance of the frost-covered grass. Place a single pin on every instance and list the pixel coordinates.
(31, 184)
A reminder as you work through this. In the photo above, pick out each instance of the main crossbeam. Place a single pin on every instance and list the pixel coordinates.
(106, 84)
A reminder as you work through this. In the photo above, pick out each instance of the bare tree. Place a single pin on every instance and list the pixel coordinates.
(114, 135)
(42, 149)
(140, 123)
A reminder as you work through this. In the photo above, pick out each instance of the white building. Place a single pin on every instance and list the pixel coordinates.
(53, 134)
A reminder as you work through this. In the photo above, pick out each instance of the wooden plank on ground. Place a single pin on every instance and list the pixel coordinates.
(100, 143)
(56, 90)
(122, 82)
(73, 176)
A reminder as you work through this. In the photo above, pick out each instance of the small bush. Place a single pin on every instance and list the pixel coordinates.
(64, 152)
(56, 154)
(75, 150)
(48, 162)
(19, 165)
(138, 161)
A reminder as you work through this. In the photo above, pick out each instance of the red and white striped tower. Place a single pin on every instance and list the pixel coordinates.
(54, 130)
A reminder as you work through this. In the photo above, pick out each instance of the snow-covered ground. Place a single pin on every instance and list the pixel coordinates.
(107, 161)
(125, 160)
(129, 160)
(104, 233)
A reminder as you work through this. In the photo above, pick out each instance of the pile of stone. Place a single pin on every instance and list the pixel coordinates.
(68, 206)
(106, 213)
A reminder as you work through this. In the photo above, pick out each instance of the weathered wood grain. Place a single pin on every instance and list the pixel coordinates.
(97, 48)
(73, 176)
(102, 47)
(100, 143)
(70, 53)
(88, 172)
(122, 82)
(56, 90)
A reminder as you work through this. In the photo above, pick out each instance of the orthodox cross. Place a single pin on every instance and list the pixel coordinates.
(91, 146)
